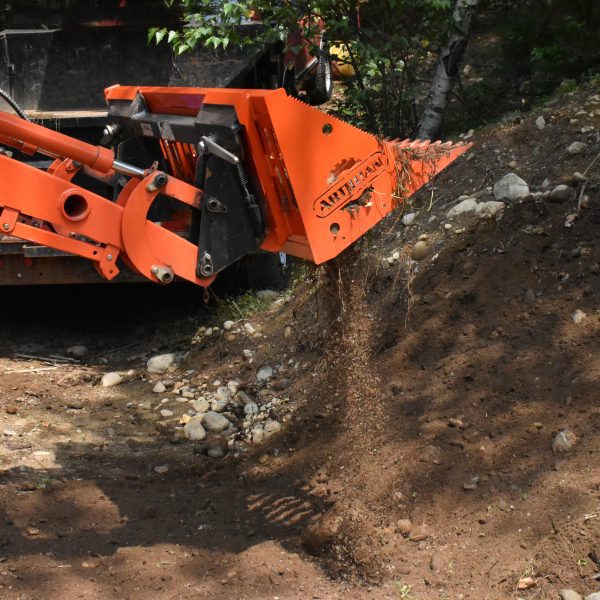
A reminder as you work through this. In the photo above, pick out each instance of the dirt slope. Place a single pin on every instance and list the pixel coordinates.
(412, 408)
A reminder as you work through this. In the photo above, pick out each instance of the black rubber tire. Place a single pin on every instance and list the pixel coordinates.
(323, 86)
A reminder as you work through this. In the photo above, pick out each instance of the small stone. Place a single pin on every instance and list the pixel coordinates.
(265, 374)
(470, 485)
(267, 295)
(563, 441)
(490, 209)
(565, 594)
(247, 353)
(287, 332)
(160, 363)
(159, 388)
(111, 379)
(78, 351)
(257, 433)
(166, 413)
(447, 226)
(33, 531)
(194, 429)
(217, 447)
(457, 423)
(404, 526)
(201, 405)
(11, 410)
(594, 596)
(561, 193)
(526, 583)
(466, 206)
(215, 422)
(418, 534)
(271, 427)
(578, 316)
(408, 219)
(161, 469)
(540, 122)
(511, 188)
(420, 251)
(249, 328)
(529, 296)
(228, 325)
(513, 164)
(576, 148)
(74, 403)
(251, 408)
(579, 178)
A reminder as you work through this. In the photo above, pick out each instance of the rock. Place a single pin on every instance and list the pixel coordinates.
(217, 447)
(431, 454)
(215, 422)
(526, 583)
(287, 332)
(161, 469)
(438, 562)
(511, 188)
(160, 363)
(228, 325)
(251, 408)
(594, 596)
(159, 388)
(267, 295)
(265, 374)
(248, 353)
(420, 251)
(563, 441)
(408, 219)
(257, 433)
(457, 423)
(111, 379)
(75, 403)
(78, 351)
(194, 429)
(529, 296)
(271, 427)
(201, 405)
(561, 193)
(490, 209)
(466, 206)
(540, 122)
(578, 316)
(249, 328)
(404, 526)
(33, 531)
(576, 148)
(166, 413)
(418, 534)
(223, 394)
(569, 595)
(11, 410)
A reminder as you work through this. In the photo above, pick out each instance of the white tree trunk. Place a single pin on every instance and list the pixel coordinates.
(447, 70)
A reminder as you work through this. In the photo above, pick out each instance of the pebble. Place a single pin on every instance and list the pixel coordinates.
(578, 316)
(490, 209)
(215, 422)
(404, 526)
(160, 363)
(267, 295)
(265, 374)
(526, 583)
(217, 447)
(420, 251)
(228, 325)
(569, 595)
(466, 206)
(161, 469)
(576, 148)
(271, 427)
(251, 408)
(194, 429)
(563, 441)
(159, 388)
(223, 394)
(249, 328)
(257, 433)
(408, 219)
(529, 296)
(561, 193)
(287, 332)
(77, 351)
(11, 410)
(418, 533)
(540, 122)
(248, 353)
(511, 188)
(166, 413)
(75, 403)
(111, 379)
(201, 405)
(32, 531)
(594, 596)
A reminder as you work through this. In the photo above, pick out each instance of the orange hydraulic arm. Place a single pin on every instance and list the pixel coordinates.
(203, 176)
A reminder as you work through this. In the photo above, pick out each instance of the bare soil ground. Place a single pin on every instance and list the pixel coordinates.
(419, 405)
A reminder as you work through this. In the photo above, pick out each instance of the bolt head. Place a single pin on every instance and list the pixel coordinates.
(6, 226)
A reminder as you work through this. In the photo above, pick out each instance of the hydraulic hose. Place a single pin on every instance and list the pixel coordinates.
(13, 104)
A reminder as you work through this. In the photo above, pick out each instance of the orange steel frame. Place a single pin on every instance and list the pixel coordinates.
(324, 182)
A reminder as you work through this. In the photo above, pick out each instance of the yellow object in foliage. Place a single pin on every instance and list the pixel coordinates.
(340, 60)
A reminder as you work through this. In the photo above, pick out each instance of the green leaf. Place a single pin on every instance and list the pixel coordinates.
(160, 35)
(173, 35)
